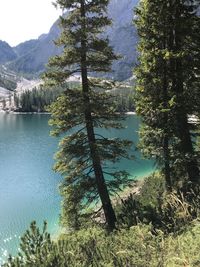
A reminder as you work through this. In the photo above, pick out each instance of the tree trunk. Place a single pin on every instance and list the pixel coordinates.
(182, 126)
(100, 180)
(167, 170)
(166, 152)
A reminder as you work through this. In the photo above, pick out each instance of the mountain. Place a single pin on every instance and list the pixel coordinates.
(34, 54)
(24, 48)
(8, 79)
(123, 36)
(8, 83)
(6, 53)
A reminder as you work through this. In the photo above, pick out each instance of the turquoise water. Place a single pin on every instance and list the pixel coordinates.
(29, 187)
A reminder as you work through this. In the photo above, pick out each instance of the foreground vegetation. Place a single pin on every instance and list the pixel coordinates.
(134, 247)
(140, 238)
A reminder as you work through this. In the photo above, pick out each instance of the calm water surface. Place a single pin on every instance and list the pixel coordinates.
(29, 187)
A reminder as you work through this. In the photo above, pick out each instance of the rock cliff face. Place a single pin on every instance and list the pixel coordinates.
(34, 54)
(123, 36)
(6, 53)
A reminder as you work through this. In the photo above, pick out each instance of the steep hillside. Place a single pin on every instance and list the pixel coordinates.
(8, 83)
(24, 48)
(34, 54)
(6, 53)
(123, 37)
(8, 79)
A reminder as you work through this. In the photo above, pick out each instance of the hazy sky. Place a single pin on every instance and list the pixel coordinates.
(22, 20)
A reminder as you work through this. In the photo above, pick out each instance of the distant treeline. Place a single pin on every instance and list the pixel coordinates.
(124, 100)
(38, 99)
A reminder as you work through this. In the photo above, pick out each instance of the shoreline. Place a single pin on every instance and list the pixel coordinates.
(130, 113)
(191, 119)
(23, 113)
(134, 188)
(31, 113)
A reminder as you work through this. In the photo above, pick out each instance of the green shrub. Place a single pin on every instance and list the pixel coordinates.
(155, 228)
(168, 211)
(134, 247)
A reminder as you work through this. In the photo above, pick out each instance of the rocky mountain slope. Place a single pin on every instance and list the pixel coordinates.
(6, 53)
(30, 57)
(8, 79)
(34, 54)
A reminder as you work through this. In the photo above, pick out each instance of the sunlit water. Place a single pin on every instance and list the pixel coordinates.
(29, 187)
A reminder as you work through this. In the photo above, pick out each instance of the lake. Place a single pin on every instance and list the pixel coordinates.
(29, 187)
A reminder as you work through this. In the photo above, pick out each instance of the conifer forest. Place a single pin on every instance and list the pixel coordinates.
(110, 217)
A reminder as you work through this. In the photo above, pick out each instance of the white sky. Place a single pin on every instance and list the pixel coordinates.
(22, 20)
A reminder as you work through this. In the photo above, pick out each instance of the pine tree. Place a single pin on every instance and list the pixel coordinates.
(165, 85)
(84, 153)
(184, 69)
(152, 92)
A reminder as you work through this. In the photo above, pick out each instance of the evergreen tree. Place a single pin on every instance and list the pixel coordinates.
(166, 76)
(84, 153)
(37, 99)
(184, 72)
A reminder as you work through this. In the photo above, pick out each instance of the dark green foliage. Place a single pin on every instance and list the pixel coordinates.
(167, 80)
(89, 248)
(142, 207)
(79, 188)
(157, 233)
(84, 154)
(167, 211)
(35, 247)
(123, 98)
(38, 99)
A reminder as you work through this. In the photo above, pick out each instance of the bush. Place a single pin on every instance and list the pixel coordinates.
(93, 247)
(135, 247)
(168, 211)
(155, 228)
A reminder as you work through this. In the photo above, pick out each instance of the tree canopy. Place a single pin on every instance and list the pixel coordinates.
(84, 154)
(167, 82)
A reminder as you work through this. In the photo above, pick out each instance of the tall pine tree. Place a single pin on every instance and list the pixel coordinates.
(84, 152)
(165, 85)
